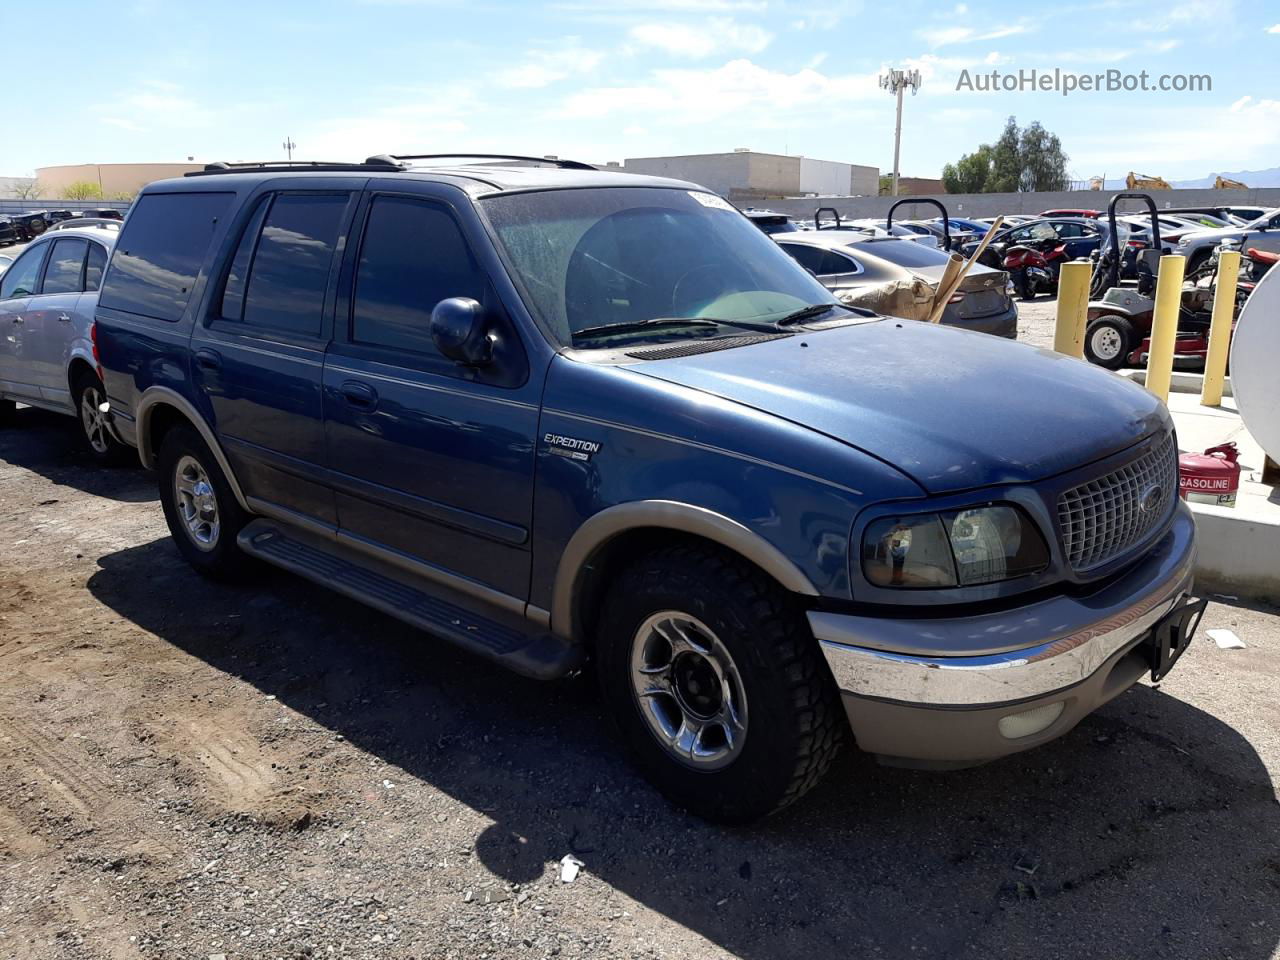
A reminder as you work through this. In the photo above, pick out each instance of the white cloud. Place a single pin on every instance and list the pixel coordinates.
(420, 122)
(541, 68)
(739, 87)
(697, 40)
(158, 105)
(1274, 28)
(946, 36)
(823, 14)
(665, 6)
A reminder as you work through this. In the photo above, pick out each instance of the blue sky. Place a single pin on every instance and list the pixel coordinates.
(606, 80)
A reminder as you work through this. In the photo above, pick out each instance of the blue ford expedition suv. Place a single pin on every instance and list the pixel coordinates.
(558, 416)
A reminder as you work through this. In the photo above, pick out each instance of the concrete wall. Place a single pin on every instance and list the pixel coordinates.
(114, 178)
(994, 204)
(825, 176)
(22, 206)
(864, 180)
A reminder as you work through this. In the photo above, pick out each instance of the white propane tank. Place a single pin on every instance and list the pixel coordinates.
(1255, 363)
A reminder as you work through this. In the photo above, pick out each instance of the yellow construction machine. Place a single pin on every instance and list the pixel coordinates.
(1146, 182)
(1225, 183)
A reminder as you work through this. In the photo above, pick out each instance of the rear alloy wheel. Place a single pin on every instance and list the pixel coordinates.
(97, 434)
(200, 507)
(1109, 341)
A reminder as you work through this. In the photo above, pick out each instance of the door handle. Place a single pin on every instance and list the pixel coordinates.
(208, 360)
(359, 394)
(64, 318)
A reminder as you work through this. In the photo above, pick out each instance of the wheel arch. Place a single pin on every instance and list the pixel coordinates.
(159, 410)
(607, 539)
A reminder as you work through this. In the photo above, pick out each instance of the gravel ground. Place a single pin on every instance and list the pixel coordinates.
(190, 770)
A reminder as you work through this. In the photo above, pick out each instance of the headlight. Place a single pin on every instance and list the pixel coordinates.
(956, 548)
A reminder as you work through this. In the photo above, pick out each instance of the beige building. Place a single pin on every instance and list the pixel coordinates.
(744, 175)
(114, 179)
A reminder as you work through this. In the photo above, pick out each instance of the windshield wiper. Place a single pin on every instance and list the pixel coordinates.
(633, 326)
(809, 312)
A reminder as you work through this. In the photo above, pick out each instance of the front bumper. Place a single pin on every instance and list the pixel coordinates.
(1079, 651)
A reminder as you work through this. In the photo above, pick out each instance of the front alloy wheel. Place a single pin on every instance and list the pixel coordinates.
(689, 690)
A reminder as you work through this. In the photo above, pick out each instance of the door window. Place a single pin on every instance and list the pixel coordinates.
(233, 290)
(808, 257)
(289, 271)
(413, 256)
(66, 264)
(20, 279)
(94, 264)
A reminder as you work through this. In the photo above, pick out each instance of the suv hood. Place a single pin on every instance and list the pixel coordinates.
(951, 408)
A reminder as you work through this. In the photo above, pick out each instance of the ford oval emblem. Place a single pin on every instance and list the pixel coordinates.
(1151, 498)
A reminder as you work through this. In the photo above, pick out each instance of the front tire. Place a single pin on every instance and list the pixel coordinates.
(1108, 341)
(98, 438)
(716, 685)
(203, 514)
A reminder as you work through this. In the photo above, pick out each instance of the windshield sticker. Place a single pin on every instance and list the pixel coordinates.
(712, 201)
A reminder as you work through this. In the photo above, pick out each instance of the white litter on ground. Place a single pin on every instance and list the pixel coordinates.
(1225, 639)
(569, 867)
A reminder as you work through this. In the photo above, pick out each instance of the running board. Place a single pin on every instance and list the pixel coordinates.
(529, 651)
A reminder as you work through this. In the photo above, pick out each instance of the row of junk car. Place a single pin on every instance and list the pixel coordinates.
(893, 266)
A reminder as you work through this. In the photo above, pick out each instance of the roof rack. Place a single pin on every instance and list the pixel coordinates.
(385, 158)
(317, 166)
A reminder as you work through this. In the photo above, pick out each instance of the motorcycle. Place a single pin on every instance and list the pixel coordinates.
(1031, 270)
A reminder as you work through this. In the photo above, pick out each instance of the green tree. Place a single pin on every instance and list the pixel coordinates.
(82, 190)
(1006, 160)
(1044, 165)
(886, 184)
(969, 174)
(1020, 160)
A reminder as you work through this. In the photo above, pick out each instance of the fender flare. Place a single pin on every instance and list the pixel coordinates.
(155, 396)
(613, 521)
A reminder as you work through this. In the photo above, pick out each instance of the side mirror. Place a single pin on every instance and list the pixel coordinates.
(460, 331)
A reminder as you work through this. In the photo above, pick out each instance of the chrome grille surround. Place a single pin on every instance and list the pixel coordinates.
(1101, 519)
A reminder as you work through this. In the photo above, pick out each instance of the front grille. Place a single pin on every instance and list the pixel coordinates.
(1103, 518)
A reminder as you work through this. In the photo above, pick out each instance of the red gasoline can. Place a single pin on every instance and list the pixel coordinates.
(1210, 477)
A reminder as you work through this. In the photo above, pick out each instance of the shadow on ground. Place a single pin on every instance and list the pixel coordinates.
(1152, 830)
(51, 445)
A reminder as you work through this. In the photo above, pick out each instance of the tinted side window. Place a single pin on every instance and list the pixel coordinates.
(65, 266)
(93, 267)
(808, 257)
(160, 252)
(833, 262)
(233, 291)
(290, 269)
(20, 279)
(413, 256)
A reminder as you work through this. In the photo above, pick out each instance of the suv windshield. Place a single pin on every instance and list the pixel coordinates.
(610, 261)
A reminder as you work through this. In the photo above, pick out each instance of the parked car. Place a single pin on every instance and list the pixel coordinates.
(1260, 234)
(1080, 236)
(1010, 220)
(5, 262)
(102, 213)
(1072, 212)
(879, 228)
(29, 225)
(47, 301)
(8, 232)
(846, 262)
(554, 414)
(771, 222)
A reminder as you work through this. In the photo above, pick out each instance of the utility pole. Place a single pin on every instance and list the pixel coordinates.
(289, 144)
(896, 81)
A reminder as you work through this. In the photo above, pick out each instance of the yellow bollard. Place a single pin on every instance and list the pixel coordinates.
(1073, 308)
(1164, 325)
(1224, 307)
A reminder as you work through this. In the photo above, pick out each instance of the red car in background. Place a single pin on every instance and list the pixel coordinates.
(1065, 212)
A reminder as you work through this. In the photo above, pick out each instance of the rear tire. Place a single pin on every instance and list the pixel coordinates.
(94, 431)
(200, 507)
(1108, 341)
(739, 716)
(7, 410)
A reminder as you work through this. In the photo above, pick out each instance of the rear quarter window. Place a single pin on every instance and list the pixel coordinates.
(160, 252)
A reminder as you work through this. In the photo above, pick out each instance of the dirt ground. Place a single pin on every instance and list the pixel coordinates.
(190, 770)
